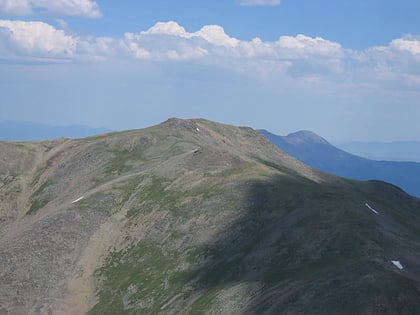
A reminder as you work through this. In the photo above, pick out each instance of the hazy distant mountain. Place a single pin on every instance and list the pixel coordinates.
(28, 131)
(315, 151)
(390, 151)
(196, 217)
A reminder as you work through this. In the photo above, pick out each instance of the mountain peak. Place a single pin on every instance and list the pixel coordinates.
(182, 216)
(305, 137)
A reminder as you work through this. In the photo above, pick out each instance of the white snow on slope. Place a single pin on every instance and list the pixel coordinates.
(370, 208)
(78, 199)
(397, 264)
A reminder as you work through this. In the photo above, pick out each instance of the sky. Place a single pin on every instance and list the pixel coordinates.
(347, 70)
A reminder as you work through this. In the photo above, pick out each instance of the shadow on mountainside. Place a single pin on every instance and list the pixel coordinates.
(294, 247)
(193, 217)
(304, 248)
(217, 230)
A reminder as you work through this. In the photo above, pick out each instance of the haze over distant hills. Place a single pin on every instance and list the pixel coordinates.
(29, 131)
(389, 151)
(197, 217)
(317, 152)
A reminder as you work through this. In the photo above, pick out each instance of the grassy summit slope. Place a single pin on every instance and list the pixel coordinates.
(192, 216)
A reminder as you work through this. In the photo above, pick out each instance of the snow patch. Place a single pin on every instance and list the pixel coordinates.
(397, 264)
(78, 199)
(370, 208)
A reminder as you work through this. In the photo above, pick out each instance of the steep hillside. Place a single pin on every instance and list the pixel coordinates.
(315, 151)
(197, 217)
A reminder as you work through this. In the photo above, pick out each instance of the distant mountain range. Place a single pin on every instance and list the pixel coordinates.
(29, 131)
(317, 152)
(389, 151)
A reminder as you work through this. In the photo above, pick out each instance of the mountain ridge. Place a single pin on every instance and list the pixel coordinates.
(322, 155)
(193, 216)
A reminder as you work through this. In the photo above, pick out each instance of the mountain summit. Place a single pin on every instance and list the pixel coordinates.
(197, 217)
(315, 151)
(305, 137)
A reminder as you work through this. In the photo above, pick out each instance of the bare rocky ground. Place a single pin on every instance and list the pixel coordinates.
(193, 216)
(48, 256)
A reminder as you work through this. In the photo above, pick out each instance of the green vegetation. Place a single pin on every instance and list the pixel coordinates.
(119, 164)
(36, 205)
(148, 275)
(290, 231)
(142, 277)
(39, 198)
(156, 195)
(211, 228)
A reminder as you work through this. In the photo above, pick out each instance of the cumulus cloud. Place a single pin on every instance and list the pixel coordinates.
(83, 8)
(299, 56)
(167, 28)
(40, 41)
(305, 46)
(213, 34)
(216, 35)
(401, 58)
(36, 39)
(258, 2)
(169, 40)
(408, 44)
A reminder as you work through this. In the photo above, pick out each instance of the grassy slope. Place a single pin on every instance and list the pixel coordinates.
(293, 239)
(216, 219)
(305, 246)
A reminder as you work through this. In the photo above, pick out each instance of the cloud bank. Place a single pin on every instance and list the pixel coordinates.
(299, 56)
(82, 8)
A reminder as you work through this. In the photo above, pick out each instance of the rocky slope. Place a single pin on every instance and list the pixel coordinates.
(193, 216)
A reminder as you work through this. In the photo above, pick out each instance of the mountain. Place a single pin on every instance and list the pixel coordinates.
(315, 151)
(28, 131)
(197, 217)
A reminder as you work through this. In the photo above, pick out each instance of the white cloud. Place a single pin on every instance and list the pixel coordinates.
(39, 41)
(36, 40)
(257, 48)
(258, 2)
(305, 46)
(98, 49)
(214, 34)
(397, 62)
(19, 7)
(84, 8)
(167, 28)
(311, 58)
(408, 44)
(169, 40)
(137, 51)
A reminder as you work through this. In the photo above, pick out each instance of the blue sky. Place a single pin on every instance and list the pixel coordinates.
(348, 70)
